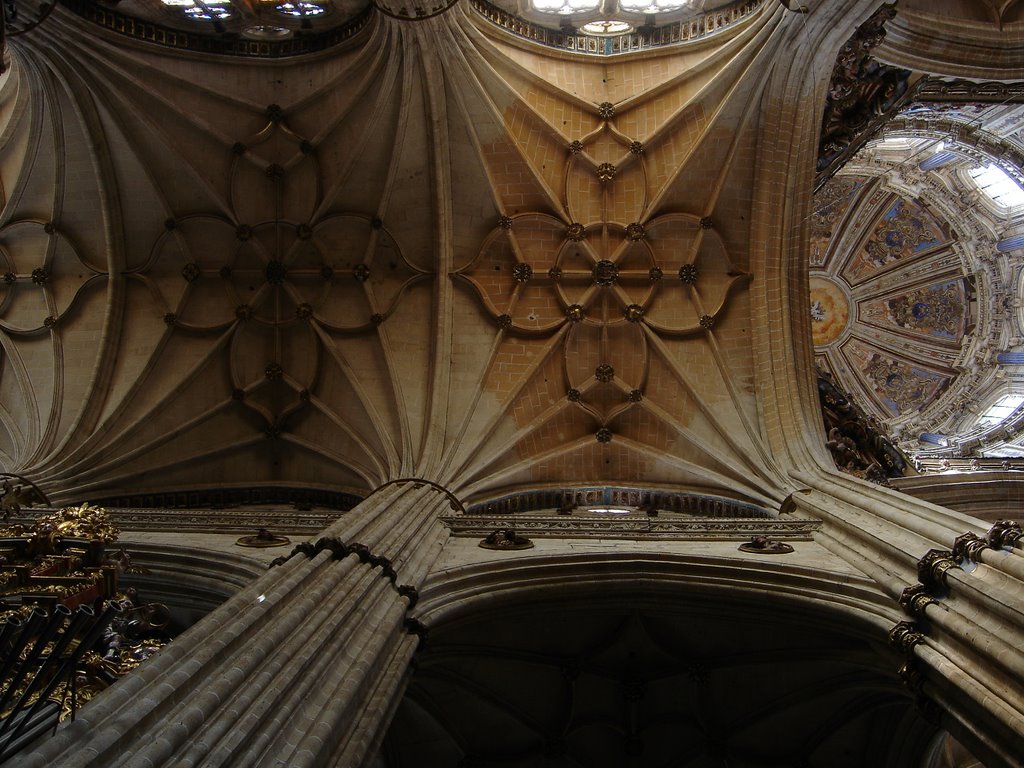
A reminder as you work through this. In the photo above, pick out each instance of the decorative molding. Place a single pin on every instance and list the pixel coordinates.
(212, 498)
(862, 95)
(238, 521)
(937, 90)
(855, 440)
(633, 528)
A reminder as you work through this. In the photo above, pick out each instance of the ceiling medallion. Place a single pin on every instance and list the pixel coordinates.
(606, 172)
(576, 232)
(604, 373)
(522, 273)
(604, 435)
(688, 274)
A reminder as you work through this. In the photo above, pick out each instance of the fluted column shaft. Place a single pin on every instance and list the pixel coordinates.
(300, 668)
(966, 625)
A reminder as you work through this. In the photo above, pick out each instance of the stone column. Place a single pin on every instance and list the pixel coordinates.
(962, 627)
(301, 668)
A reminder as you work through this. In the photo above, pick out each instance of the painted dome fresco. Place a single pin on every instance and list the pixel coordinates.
(910, 288)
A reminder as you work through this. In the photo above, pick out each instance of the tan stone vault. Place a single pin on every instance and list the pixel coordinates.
(436, 266)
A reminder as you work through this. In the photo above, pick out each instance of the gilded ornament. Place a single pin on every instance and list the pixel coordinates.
(604, 373)
(636, 231)
(603, 435)
(576, 232)
(633, 313)
(606, 110)
(40, 275)
(707, 322)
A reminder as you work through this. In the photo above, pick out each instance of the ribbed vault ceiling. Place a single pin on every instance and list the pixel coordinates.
(432, 251)
(644, 684)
